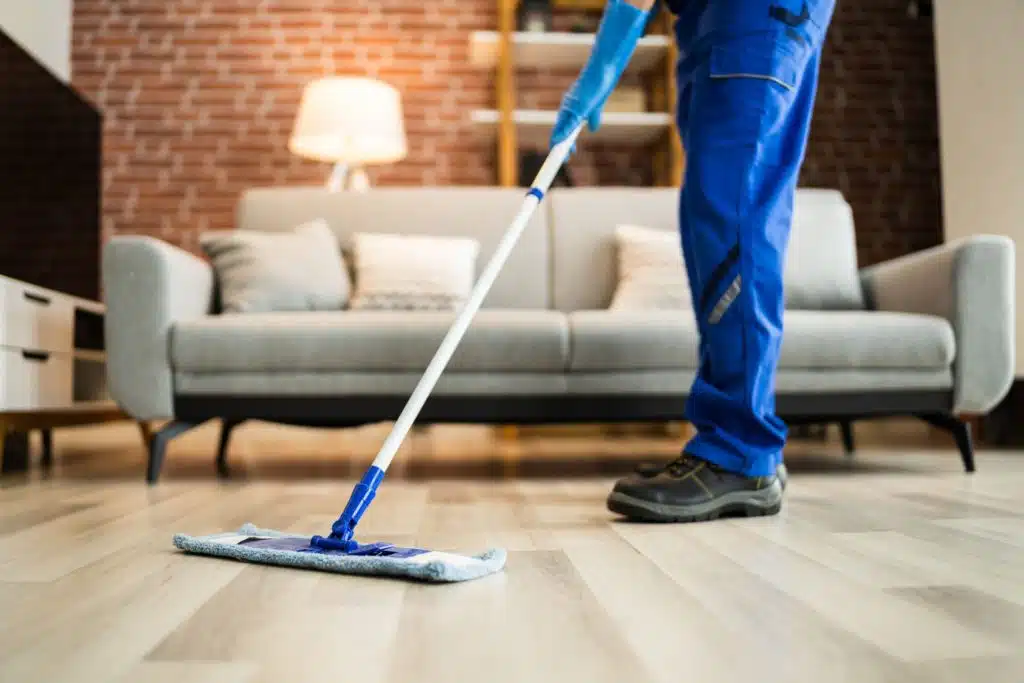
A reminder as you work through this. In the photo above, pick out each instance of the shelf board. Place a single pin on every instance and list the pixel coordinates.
(92, 406)
(89, 355)
(74, 413)
(560, 50)
(534, 126)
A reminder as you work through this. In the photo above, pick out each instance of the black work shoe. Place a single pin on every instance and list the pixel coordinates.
(690, 490)
(650, 469)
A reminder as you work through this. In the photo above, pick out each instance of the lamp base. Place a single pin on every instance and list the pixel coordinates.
(349, 178)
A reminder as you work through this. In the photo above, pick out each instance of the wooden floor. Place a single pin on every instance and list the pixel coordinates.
(894, 566)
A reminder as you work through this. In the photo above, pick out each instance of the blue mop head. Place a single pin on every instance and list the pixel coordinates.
(264, 546)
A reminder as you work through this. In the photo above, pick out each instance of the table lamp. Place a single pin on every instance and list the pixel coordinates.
(350, 122)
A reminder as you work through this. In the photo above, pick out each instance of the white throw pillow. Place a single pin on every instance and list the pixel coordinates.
(412, 272)
(297, 270)
(651, 270)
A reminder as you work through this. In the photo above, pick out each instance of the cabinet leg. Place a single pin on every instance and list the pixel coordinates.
(47, 455)
(846, 430)
(508, 432)
(13, 451)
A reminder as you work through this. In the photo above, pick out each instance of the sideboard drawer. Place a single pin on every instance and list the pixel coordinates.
(31, 380)
(32, 318)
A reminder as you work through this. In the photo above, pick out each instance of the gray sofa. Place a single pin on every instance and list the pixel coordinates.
(928, 335)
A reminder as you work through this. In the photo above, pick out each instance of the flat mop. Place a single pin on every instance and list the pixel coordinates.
(339, 552)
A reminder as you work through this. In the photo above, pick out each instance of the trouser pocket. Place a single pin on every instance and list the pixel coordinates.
(749, 87)
(767, 56)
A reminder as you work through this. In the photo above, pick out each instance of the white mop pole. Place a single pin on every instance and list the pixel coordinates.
(546, 174)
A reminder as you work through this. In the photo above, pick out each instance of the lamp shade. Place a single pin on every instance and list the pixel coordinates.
(349, 120)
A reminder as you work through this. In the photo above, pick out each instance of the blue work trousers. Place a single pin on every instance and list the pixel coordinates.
(747, 77)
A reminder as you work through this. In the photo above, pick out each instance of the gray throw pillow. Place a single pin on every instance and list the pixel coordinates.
(259, 272)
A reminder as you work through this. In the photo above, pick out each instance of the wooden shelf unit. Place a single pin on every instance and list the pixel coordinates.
(506, 50)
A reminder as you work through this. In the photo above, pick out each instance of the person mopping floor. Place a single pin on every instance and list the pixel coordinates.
(747, 79)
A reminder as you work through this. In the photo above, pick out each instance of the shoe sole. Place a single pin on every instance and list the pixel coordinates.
(741, 503)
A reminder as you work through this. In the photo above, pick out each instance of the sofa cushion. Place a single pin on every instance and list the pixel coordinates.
(393, 341)
(819, 340)
(866, 340)
(632, 340)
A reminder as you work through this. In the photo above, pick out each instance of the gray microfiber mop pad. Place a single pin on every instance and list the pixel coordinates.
(429, 566)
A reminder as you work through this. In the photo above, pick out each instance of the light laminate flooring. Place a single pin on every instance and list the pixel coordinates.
(893, 566)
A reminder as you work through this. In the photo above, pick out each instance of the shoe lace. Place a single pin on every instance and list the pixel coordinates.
(681, 465)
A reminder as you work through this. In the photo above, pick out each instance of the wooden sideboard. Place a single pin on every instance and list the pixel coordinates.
(52, 368)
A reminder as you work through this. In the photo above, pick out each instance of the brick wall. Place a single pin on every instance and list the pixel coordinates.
(875, 131)
(200, 96)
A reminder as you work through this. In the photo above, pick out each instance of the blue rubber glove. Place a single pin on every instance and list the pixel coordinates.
(621, 27)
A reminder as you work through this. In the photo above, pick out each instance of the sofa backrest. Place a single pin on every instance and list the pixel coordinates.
(821, 265)
(821, 262)
(583, 222)
(483, 213)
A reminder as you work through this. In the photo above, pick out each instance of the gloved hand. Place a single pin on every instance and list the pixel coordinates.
(621, 27)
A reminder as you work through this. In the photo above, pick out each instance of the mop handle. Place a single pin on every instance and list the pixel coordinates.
(546, 174)
(341, 537)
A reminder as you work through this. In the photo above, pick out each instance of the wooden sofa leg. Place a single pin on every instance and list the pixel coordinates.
(158, 446)
(146, 432)
(846, 429)
(227, 426)
(961, 432)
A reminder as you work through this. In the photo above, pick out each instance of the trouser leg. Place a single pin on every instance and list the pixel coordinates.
(745, 130)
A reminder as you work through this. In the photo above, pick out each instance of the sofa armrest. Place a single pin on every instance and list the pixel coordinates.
(970, 283)
(149, 285)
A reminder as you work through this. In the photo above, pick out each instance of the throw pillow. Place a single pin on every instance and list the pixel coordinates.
(651, 271)
(412, 272)
(299, 270)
